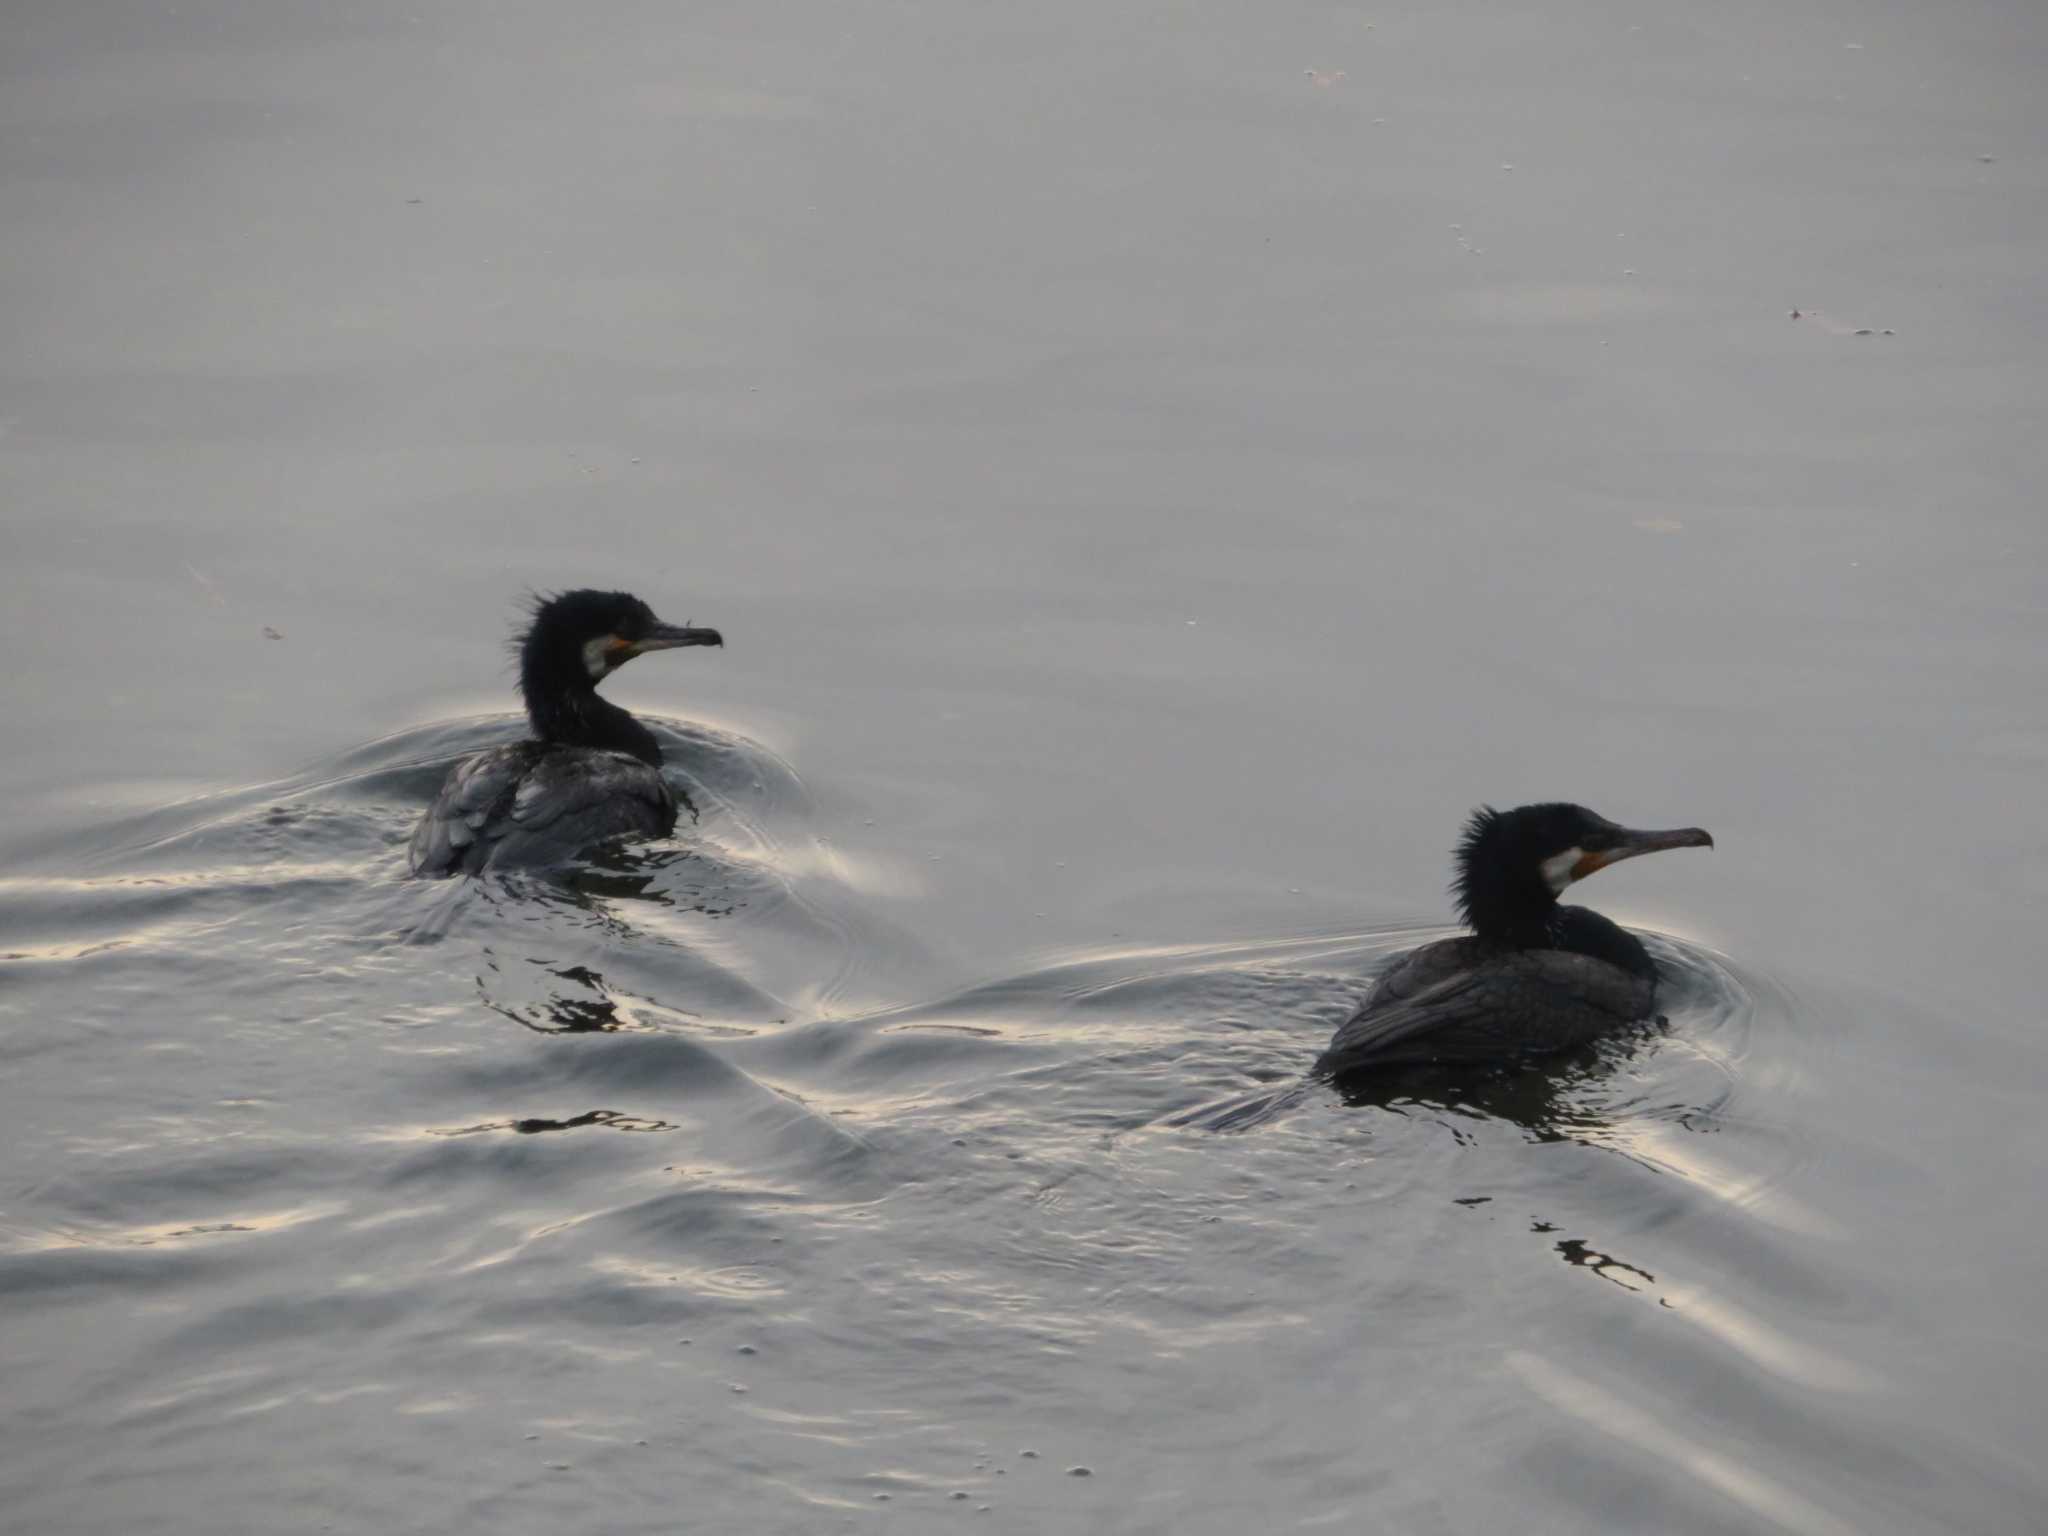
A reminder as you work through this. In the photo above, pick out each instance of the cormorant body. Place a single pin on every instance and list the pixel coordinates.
(591, 771)
(1532, 977)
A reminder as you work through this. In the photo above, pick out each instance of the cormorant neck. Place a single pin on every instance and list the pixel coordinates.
(1517, 924)
(1583, 931)
(1500, 886)
(1506, 904)
(570, 713)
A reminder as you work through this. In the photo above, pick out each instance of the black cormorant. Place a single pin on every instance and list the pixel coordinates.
(1533, 977)
(591, 770)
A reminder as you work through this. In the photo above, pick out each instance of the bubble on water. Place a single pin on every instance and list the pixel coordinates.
(747, 1349)
(1028, 1455)
(1080, 1472)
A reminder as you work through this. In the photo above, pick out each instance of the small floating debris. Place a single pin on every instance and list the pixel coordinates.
(272, 634)
(1323, 77)
(1837, 327)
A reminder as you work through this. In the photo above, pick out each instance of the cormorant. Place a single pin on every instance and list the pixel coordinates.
(1533, 977)
(591, 770)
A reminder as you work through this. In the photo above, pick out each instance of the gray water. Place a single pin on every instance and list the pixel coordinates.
(1156, 468)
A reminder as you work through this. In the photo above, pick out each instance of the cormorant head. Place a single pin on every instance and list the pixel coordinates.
(1513, 865)
(576, 640)
(589, 635)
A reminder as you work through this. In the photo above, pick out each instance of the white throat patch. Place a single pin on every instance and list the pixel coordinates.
(1557, 869)
(597, 655)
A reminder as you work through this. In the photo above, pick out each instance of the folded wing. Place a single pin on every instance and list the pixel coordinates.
(1519, 1003)
(532, 803)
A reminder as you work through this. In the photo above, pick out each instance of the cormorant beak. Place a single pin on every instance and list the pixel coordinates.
(666, 637)
(1631, 843)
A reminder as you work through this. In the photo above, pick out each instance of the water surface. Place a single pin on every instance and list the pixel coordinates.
(1156, 471)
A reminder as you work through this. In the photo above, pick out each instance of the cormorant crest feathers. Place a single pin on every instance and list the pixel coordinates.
(1467, 886)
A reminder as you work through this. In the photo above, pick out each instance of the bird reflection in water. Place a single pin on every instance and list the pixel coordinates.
(1553, 1100)
(609, 1119)
(567, 1014)
(680, 879)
